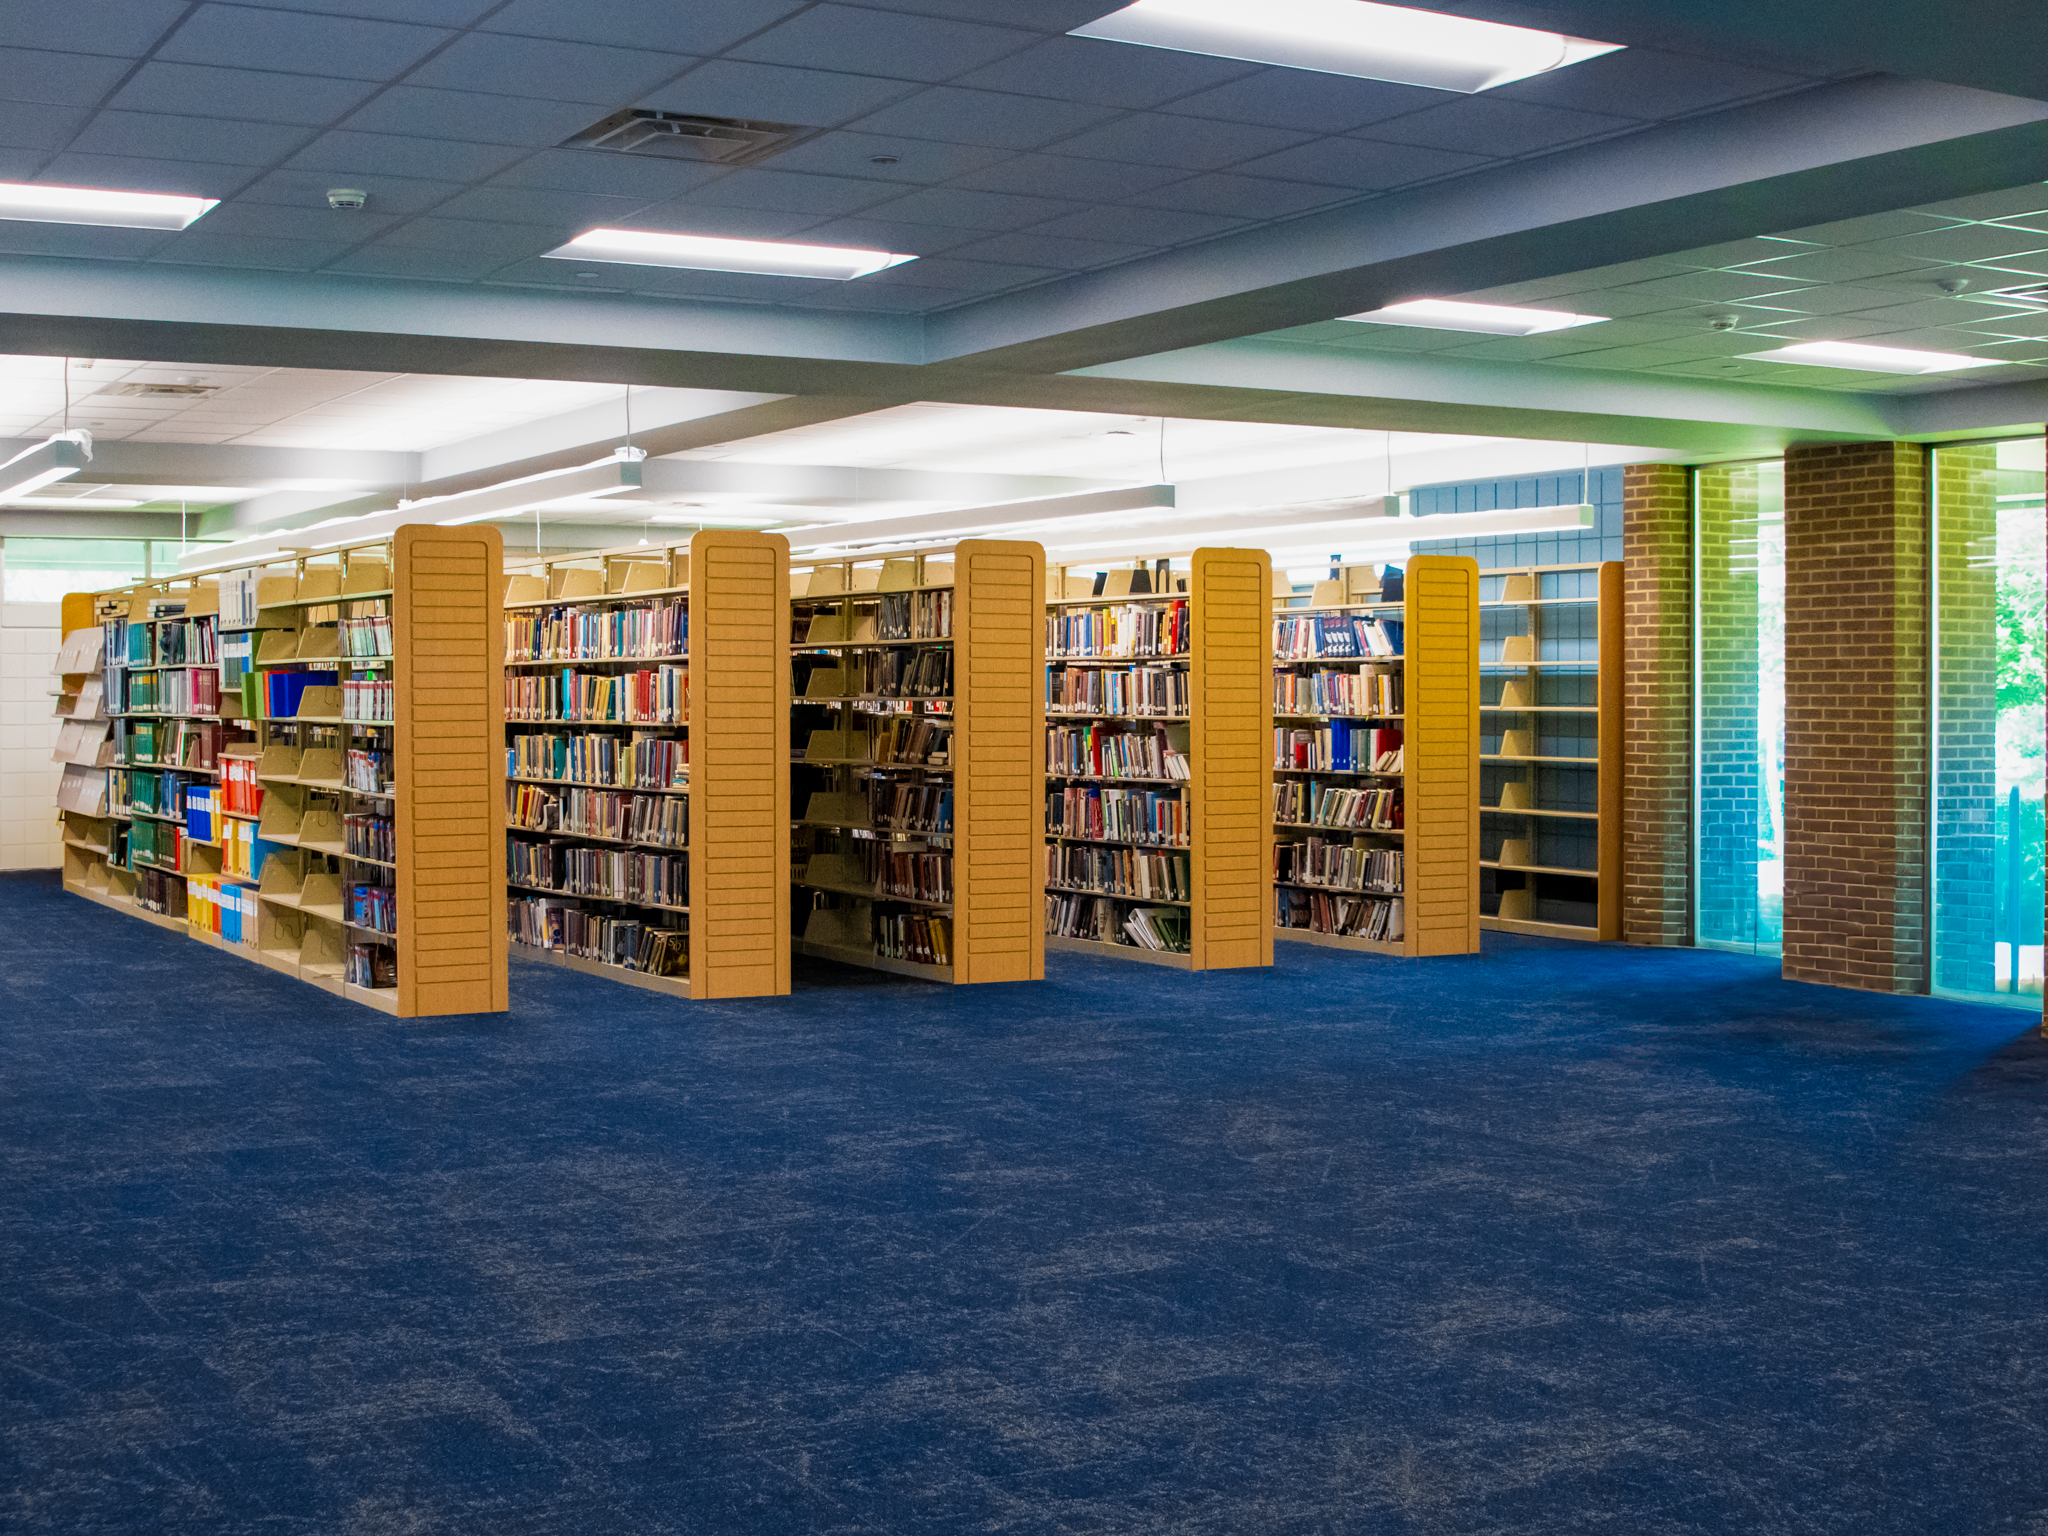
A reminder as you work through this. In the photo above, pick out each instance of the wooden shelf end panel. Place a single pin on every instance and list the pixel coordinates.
(1442, 746)
(1230, 685)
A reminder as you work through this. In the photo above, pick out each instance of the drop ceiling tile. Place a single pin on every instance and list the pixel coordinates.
(1136, 226)
(1518, 349)
(275, 221)
(500, 242)
(993, 118)
(676, 283)
(2034, 221)
(693, 218)
(18, 239)
(1625, 303)
(960, 276)
(2010, 203)
(857, 298)
(196, 248)
(21, 164)
(137, 173)
(1242, 197)
(2017, 323)
(1850, 264)
(1829, 299)
(1064, 176)
(466, 116)
(121, 28)
(211, 139)
(59, 79)
(237, 37)
(791, 192)
(363, 157)
(433, 13)
(1191, 143)
(205, 91)
(918, 161)
(407, 261)
(673, 26)
(1480, 125)
(1624, 359)
(1105, 73)
(882, 43)
(1034, 249)
(1931, 312)
(572, 211)
(1876, 226)
(650, 178)
(816, 98)
(1051, 16)
(1963, 243)
(35, 125)
(1768, 330)
(1651, 84)
(1736, 253)
(1359, 164)
(548, 71)
(974, 210)
(883, 235)
(398, 195)
(2007, 271)
(1306, 101)
(1710, 287)
(1368, 337)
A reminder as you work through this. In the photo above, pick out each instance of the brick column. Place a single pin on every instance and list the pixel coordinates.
(1656, 854)
(1856, 626)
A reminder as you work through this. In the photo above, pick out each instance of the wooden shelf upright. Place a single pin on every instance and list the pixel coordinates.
(1551, 787)
(1158, 833)
(1376, 751)
(356, 813)
(915, 767)
(647, 718)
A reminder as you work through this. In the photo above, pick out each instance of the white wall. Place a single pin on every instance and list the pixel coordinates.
(29, 836)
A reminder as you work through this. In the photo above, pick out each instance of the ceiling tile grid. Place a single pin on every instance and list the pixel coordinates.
(920, 116)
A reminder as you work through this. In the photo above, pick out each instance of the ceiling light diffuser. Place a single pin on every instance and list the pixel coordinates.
(707, 253)
(1486, 319)
(1868, 359)
(36, 204)
(1349, 37)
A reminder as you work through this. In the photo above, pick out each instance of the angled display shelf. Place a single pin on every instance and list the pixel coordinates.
(914, 761)
(1551, 764)
(1375, 754)
(304, 767)
(1158, 761)
(647, 738)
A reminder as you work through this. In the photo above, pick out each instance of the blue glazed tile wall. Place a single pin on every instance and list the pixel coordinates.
(1600, 542)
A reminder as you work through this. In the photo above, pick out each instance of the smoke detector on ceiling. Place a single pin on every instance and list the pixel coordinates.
(685, 136)
(156, 391)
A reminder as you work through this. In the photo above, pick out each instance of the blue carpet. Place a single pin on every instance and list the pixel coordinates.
(1550, 1239)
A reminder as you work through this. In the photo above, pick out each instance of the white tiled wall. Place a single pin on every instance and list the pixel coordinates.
(29, 838)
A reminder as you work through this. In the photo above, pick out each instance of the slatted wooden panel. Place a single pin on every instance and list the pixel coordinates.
(1613, 671)
(1231, 686)
(1441, 737)
(999, 761)
(739, 765)
(448, 634)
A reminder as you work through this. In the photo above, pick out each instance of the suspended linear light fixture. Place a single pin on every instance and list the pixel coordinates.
(56, 458)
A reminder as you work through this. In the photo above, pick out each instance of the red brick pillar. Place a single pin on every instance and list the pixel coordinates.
(1656, 854)
(1856, 715)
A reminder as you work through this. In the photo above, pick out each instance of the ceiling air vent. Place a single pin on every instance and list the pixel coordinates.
(159, 390)
(680, 136)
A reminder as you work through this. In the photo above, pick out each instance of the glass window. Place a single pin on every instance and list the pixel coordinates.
(1988, 725)
(1739, 719)
(43, 570)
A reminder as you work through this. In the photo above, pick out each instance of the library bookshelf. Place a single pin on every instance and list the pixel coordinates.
(1375, 748)
(1158, 763)
(647, 743)
(913, 767)
(1551, 764)
(330, 806)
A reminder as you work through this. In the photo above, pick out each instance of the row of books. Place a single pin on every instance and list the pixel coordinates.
(914, 875)
(184, 743)
(1126, 630)
(1349, 917)
(154, 794)
(156, 845)
(242, 852)
(373, 701)
(366, 635)
(915, 615)
(659, 821)
(1340, 864)
(911, 741)
(177, 642)
(899, 674)
(366, 770)
(371, 965)
(221, 908)
(158, 891)
(370, 837)
(896, 806)
(609, 874)
(176, 691)
(241, 789)
(1126, 872)
(657, 697)
(924, 938)
(1342, 746)
(278, 693)
(1301, 802)
(374, 907)
(1104, 920)
(1117, 691)
(1336, 693)
(1310, 639)
(603, 762)
(1118, 751)
(627, 942)
(641, 631)
(1158, 818)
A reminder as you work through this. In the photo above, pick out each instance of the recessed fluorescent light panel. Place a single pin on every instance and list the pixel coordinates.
(1349, 37)
(1869, 359)
(1486, 319)
(706, 253)
(35, 204)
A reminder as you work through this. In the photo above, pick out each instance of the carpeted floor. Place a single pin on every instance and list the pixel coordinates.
(1551, 1239)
